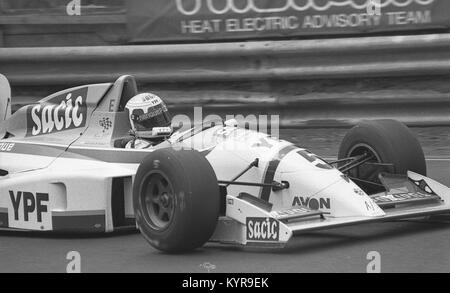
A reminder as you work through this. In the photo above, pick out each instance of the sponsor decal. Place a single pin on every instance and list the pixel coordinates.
(185, 20)
(263, 229)
(290, 212)
(313, 203)
(105, 123)
(6, 146)
(401, 197)
(370, 205)
(151, 98)
(358, 191)
(220, 7)
(32, 204)
(154, 111)
(63, 112)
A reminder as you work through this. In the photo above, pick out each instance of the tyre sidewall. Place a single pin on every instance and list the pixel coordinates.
(189, 199)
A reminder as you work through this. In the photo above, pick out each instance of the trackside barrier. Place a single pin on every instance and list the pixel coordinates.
(228, 64)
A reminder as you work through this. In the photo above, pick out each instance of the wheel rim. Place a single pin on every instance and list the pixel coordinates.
(158, 201)
(365, 171)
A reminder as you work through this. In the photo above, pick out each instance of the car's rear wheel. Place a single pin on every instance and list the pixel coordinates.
(176, 200)
(392, 146)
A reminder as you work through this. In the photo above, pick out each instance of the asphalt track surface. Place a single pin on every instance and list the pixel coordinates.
(404, 246)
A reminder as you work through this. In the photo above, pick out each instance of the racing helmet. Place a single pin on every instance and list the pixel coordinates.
(146, 112)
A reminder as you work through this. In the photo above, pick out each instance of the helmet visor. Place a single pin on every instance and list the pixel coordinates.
(157, 116)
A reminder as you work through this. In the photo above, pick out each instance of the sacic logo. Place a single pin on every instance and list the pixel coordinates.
(64, 112)
(263, 229)
(312, 203)
(193, 7)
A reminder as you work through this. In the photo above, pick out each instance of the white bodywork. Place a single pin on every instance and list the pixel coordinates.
(74, 179)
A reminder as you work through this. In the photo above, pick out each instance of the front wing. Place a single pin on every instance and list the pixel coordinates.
(252, 224)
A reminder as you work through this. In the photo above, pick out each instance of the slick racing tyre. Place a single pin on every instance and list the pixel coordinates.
(394, 147)
(176, 200)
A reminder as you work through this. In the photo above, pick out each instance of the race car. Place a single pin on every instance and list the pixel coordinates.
(63, 170)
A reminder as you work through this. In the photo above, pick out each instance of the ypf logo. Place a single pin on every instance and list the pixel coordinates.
(28, 206)
(63, 112)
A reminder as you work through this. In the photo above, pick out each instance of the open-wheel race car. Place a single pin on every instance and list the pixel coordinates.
(62, 169)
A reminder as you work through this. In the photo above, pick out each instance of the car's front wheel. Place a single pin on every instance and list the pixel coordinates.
(176, 200)
(392, 146)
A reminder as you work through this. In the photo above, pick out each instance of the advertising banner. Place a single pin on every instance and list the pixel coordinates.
(203, 20)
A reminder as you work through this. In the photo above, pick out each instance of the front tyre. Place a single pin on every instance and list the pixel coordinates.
(176, 200)
(391, 145)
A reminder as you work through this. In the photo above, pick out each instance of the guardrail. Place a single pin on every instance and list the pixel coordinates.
(404, 77)
(300, 59)
(39, 19)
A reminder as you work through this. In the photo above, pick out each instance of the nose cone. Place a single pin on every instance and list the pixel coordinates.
(317, 185)
(349, 200)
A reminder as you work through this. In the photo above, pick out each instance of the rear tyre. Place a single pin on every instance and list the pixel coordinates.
(391, 143)
(176, 200)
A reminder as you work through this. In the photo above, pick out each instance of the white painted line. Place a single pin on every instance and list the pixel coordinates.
(430, 159)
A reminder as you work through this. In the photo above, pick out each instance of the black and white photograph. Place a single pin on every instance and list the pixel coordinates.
(222, 142)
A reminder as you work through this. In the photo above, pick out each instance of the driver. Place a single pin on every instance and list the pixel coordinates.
(150, 121)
